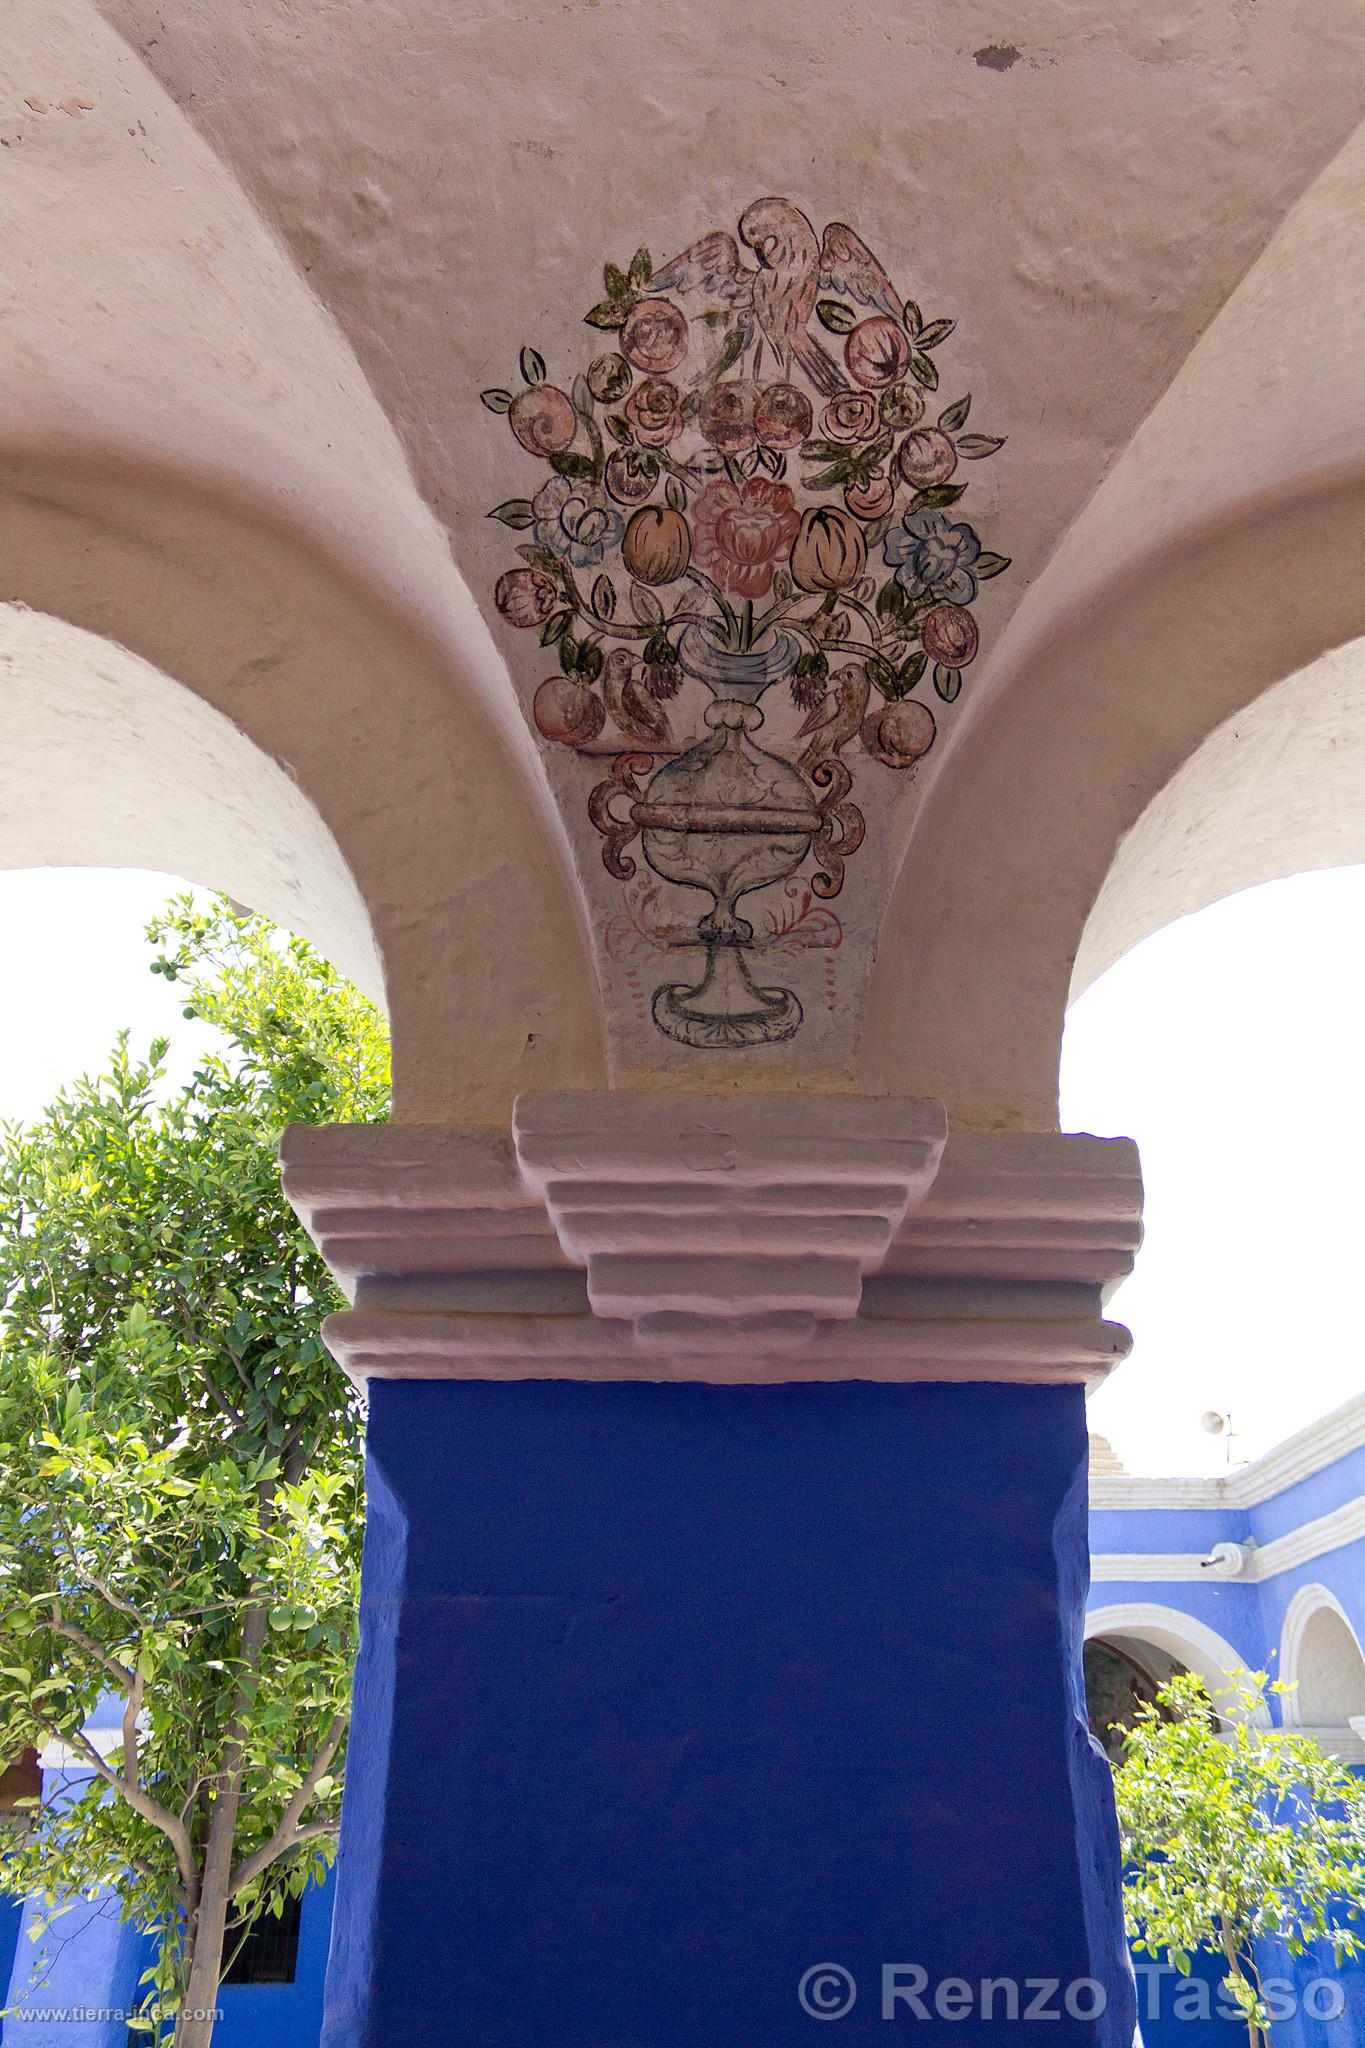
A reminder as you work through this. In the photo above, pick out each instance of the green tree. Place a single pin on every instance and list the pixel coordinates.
(1235, 1836)
(180, 1503)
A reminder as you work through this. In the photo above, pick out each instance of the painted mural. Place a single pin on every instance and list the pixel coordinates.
(752, 486)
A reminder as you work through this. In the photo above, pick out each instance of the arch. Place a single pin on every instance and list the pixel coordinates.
(1320, 1655)
(1275, 790)
(105, 761)
(1218, 558)
(1191, 1642)
(457, 856)
(976, 959)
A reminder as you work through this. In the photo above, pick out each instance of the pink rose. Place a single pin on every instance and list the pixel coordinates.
(654, 410)
(850, 417)
(543, 419)
(740, 533)
(950, 635)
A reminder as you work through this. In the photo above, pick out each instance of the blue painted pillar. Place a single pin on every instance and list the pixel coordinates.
(671, 1695)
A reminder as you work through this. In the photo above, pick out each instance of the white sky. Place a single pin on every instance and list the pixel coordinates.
(1228, 1045)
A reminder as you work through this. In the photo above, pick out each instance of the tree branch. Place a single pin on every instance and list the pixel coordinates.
(132, 1708)
(110, 1665)
(289, 1834)
(141, 1802)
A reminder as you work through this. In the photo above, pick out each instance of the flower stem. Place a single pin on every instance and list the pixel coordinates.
(731, 622)
(746, 631)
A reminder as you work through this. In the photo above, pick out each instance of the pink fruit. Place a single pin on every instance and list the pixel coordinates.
(926, 457)
(871, 499)
(877, 353)
(901, 734)
(568, 712)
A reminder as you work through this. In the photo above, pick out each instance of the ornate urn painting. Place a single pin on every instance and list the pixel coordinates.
(750, 491)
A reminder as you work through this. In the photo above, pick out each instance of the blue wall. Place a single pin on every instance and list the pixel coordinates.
(1249, 1615)
(680, 1690)
(283, 2015)
(11, 1913)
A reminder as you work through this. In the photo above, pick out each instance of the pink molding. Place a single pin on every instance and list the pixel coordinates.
(728, 1239)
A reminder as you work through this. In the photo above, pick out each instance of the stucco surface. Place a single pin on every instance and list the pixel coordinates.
(1277, 789)
(261, 262)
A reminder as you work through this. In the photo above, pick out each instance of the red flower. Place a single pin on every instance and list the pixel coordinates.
(740, 533)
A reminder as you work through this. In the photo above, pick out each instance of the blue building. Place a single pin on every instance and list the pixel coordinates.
(1262, 1568)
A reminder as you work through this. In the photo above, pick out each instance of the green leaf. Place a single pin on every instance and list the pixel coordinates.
(607, 313)
(937, 497)
(947, 682)
(837, 473)
(924, 371)
(913, 667)
(675, 491)
(496, 400)
(732, 349)
(955, 416)
(616, 282)
(532, 365)
(914, 319)
(641, 268)
(516, 512)
(618, 426)
(974, 446)
(990, 565)
(838, 318)
(581, 393)
(892, 602)
(603, 598)
(556, 625)
(646, 604)
(937, 331)
(570, 654)
(882, 673)
(568, 464)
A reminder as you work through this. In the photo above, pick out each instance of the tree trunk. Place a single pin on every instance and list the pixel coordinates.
(195, 2024)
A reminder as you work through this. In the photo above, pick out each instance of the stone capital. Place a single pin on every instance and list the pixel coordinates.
(735, 1239)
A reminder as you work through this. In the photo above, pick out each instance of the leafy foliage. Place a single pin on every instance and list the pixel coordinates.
(181, 1512)
(1235, 1837)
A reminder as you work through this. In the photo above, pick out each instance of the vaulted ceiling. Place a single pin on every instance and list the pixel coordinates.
(262, 262)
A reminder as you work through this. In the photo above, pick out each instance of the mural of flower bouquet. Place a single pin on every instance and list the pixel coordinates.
(670, 540)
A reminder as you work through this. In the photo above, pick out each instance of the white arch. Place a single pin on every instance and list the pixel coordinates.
(107, 762)
(1277, 789)
(1309, 1601)
(1198, 1647)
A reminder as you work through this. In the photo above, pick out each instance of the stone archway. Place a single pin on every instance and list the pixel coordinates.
(105, 761)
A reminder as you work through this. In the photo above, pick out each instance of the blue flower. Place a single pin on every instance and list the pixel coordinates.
(932, 555)
(574, 520)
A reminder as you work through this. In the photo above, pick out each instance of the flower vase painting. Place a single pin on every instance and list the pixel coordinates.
(748, 491)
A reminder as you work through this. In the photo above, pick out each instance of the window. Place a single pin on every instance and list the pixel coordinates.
(270, 1952)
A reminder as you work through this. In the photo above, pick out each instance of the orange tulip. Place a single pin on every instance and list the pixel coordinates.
(829, 552)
